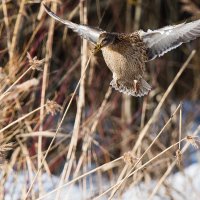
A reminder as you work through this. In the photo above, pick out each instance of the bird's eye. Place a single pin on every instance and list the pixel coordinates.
(104, 41)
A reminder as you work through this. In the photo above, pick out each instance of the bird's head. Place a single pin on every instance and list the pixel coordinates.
(104, 40)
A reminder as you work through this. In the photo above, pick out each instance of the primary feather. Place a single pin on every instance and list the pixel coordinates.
(88, 33)
(162, 40)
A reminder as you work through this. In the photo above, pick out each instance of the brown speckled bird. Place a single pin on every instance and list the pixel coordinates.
(126, 54)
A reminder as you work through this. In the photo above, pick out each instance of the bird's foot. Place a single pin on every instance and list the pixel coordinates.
(117, 82)
(136, 86)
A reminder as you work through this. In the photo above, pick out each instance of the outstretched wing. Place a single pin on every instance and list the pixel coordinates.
(88, 33)
(165, 39)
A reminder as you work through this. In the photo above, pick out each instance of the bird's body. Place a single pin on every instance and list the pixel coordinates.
(126, 54)
(126, 59)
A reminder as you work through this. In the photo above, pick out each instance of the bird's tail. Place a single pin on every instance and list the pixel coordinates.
(128, 88)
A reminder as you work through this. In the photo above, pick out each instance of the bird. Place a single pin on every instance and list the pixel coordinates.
(127, 53)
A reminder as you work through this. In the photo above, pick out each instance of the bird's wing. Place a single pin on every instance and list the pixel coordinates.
(88, 33)
(165, 39)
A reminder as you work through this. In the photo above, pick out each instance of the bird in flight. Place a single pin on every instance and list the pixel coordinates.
(126, 53)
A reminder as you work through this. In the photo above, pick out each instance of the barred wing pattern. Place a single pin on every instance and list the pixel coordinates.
(88, 33)
(165, 39)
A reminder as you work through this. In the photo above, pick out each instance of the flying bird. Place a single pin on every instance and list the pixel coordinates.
(126, 53)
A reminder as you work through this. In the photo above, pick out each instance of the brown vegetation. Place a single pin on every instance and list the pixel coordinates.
(59, 115)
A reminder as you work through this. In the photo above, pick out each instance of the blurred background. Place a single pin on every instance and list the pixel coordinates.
(63, 128)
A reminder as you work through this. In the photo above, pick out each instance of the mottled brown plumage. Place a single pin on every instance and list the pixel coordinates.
(126, 54)
(126, 58)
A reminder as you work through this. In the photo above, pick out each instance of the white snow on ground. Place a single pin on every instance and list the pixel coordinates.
(183, 186)
(15, 187)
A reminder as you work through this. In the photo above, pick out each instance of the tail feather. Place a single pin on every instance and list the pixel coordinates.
(127, 88)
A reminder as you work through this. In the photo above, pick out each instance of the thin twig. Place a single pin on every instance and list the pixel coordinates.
(15, 38)
(19, 119)
(44, 87)
(102, 167)
(80, 104)
(148, 148)
(7, 25)
(156, 111)
(58, 128)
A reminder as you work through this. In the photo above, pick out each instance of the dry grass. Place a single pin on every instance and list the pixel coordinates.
(60, 117)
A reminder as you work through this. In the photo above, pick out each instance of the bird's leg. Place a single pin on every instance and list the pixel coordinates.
(117, 82)
(116, 79)
(136, 86)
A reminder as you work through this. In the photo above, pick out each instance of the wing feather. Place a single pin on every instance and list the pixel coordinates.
(88, 33)
(165, 39)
